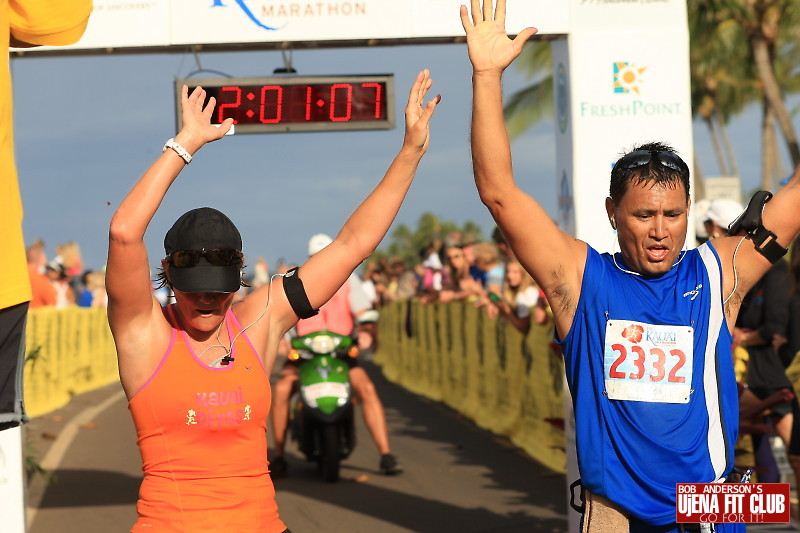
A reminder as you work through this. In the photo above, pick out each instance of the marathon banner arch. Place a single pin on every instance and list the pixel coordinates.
(167, 23)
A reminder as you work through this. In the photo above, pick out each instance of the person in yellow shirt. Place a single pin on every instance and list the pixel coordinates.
(23, 23)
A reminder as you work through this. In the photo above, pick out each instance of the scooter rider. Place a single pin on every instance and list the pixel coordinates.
(337, 315)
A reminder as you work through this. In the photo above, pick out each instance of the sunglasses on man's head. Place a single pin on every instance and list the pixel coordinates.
(641, 158)
(216, 257)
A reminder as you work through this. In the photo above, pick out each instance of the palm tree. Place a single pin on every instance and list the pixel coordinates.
(742, 52)
(531, 104)
(722, 78)
(718, 92)
(766, 24)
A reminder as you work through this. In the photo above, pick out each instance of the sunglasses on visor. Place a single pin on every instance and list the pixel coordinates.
(216, 257)
(640, 158)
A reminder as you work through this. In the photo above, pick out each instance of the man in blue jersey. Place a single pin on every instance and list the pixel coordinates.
(646, 332)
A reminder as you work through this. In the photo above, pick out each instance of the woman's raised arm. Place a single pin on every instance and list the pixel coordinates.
(130, 301)
(327, 270)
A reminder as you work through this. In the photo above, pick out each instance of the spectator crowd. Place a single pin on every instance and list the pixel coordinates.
(62, 281)
(459, 267)
(766, 341)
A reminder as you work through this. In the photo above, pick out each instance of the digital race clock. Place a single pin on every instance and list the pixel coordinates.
(302, 103)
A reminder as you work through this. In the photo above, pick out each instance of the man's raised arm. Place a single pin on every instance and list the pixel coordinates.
(552, 257)
(781, 216)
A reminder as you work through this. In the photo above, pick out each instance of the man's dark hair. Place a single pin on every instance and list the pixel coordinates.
(653, 172)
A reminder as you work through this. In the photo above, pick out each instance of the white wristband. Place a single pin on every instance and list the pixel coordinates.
(180, 150)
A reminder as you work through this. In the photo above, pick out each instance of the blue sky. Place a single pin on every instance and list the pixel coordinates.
(88, 126)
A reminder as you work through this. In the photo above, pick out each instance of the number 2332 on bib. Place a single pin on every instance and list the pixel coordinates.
(648, 362)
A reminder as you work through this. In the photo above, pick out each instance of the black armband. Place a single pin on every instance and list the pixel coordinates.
(765, 241)
(296, 294)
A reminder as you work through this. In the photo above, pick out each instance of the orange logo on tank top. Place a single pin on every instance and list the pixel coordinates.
(219, 409)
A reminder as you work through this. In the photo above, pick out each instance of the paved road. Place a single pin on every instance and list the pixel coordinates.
(457, 478)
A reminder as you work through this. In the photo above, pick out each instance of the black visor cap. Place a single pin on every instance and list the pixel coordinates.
(204, 228)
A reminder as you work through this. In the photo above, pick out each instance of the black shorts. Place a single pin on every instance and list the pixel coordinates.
(12, 361)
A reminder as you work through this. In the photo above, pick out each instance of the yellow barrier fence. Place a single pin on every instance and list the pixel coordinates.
(505, 382)
(69, 351)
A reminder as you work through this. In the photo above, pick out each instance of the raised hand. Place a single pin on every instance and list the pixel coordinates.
(490, 49)
(418, 116)
(197, 119)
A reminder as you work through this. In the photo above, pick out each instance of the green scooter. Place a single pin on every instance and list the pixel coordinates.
(323, 423)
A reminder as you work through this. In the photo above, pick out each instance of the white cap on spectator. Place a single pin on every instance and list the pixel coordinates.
(317, 243)
(723, 211)
(700, 209)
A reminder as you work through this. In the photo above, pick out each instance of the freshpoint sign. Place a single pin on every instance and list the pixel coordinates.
(627, 81)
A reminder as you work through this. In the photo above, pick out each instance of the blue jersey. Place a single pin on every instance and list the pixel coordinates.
(650, 369)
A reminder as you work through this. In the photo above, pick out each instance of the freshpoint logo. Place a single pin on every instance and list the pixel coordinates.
(623, 101)
(627, 77)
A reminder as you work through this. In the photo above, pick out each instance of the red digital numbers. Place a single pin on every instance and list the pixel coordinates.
(308, 103)
(346, 102)
(378, 96)
(280, 104)
(659, 364)
(232, 99)
(271, 104)
(298, 103)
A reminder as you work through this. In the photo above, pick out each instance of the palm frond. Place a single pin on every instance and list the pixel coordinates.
(528, 106)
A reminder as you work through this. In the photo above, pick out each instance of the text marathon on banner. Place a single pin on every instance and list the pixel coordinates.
(719, 503)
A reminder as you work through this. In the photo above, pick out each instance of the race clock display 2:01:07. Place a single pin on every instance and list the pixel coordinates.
(295, 104)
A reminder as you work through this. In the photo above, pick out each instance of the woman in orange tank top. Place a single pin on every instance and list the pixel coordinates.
(196, 373)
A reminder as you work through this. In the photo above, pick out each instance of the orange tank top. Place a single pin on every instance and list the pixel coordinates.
(202, 436)
(334, 315)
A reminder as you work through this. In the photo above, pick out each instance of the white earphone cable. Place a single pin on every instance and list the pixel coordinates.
(735, 274)
(229, 350)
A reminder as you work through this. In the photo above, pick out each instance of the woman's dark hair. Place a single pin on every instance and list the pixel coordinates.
(454, 275)
(664, 167)
(161, 280)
